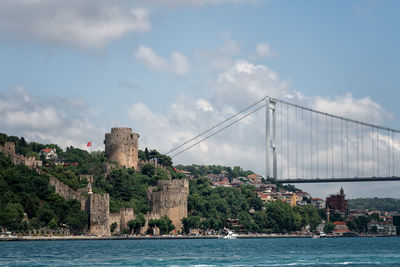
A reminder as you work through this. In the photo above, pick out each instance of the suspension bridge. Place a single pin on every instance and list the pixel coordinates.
(305, 145)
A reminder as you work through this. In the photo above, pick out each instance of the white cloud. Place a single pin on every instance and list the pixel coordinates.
(245, 82)
(363, 109)
(264, 50)
(177, 64)
(59, 121)
(77, 23)
(204, 105)
(244, 143)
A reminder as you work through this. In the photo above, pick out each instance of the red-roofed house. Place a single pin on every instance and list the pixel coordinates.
(48, 153)
(340, 227)
(254, 177)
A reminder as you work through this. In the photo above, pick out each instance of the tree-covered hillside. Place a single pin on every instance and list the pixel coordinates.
(380, 204)
(23, 190)
(202, 170)
(212, 208)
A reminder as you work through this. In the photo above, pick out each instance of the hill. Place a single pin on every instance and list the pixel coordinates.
(23, 190)
(380, 204)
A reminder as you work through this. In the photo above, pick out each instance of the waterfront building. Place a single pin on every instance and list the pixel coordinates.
(383, 228)
(337, 203)
(318, 203)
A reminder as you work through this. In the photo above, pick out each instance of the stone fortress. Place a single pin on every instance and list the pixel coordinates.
(122, 147)
(9, 149)
(168, 197)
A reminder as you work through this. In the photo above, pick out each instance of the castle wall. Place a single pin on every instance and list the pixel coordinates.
(8, 148)
(64, 190)
(115, 218)
(31, 162)
(154, 216)
(127, 214)
(154, 162)
(89, 177)
(99, 213)
(170, 197)
(121, 146)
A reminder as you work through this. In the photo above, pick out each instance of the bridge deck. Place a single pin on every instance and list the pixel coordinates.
(337, 180)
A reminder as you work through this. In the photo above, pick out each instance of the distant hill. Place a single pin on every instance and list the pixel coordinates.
(381, 204)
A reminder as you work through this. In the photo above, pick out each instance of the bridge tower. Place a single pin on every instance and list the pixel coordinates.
(270, 110)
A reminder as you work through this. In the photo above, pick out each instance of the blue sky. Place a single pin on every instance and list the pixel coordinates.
(71, 70)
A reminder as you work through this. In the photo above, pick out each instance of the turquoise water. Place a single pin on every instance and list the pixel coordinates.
(204, 252)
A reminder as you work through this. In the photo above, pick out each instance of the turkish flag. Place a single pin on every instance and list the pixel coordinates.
(89, 144)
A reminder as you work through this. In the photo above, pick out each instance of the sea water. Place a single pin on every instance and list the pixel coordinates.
(205, 252)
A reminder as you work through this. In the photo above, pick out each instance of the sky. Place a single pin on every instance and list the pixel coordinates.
(72, 70)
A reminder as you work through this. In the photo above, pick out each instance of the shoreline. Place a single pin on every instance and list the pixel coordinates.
(80, 238)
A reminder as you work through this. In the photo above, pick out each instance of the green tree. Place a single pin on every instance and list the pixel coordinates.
(146, 154)
(190, 222)
(151, 223)
(352, 225)
(113, 226)
(11, 216)
(165, 225)
(309, 216)
(76, 219)
(136, 224)
(53, 224)
(328, 228)
(149, 170)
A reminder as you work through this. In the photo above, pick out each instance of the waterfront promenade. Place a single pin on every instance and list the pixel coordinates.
(137, 237)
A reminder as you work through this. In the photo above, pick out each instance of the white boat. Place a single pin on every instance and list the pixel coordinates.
(230, 235)
(319, 235)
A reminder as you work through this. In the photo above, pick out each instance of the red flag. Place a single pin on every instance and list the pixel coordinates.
(89, 144)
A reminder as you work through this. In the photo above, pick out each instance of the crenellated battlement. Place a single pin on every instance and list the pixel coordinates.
(173, 184)
(121, 129)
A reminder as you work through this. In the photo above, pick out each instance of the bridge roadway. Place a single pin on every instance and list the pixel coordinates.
(337, 180)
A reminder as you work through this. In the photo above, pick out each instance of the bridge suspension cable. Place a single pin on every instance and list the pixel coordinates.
(215, 126)
(220, 130)
(347, 140)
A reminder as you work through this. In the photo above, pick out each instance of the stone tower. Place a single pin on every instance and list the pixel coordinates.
(8, 148)
(170, 197)
(98, 209)
(122, 147)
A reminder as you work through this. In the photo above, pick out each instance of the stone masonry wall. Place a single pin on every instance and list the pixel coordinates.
(170, 197)
(126, 214)
(115, 218)
(64, 190)
(121, 145)
(99, 212)
(122, 218)
(8, 148)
